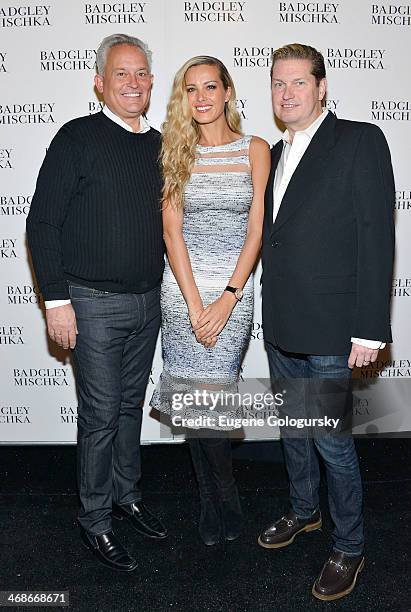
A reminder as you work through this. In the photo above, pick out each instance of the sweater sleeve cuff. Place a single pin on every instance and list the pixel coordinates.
(55, 291)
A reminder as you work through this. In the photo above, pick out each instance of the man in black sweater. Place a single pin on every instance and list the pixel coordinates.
(95, 235)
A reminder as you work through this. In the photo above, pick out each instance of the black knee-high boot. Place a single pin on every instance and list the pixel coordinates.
(209, 525)
(218, 453)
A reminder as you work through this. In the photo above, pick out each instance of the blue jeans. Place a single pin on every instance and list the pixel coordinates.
(300, 375)
(113, 355)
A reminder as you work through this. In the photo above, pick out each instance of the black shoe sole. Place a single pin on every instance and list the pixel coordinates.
(107, 563)
(343, 593)
(306, 528)
(120, 517)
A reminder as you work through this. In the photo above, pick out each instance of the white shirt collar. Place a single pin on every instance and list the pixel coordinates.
(144, 126)
(310, 130)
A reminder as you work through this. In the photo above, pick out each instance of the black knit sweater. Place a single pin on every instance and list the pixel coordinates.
(95, 216)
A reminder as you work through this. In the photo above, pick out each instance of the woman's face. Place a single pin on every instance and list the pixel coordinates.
(206, 93)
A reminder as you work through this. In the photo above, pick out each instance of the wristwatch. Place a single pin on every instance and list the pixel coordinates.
(237, 292)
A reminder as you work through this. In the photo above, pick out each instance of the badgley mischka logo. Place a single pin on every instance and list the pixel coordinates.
(390, 110)
(152, 379)
(68, 59)
(115, 12)
(403, 199)
(214, 12)
(401, 287)
(257, 331)
(68, 414)
(11, 334)
(40, 377)
(396, 368)
(360, 406)
(241, 106)
(8, 248)
(95, 107)
(15, 205)
(23, 294)
(391, 14)
(252, 57)
(308, 12)
(5, 159)
(24, 114)
(331, 104)
(356, 59)
(3, 55)
(25, 16)
(16, 415)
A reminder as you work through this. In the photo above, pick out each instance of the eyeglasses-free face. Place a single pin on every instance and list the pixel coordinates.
(126, 83)
(296, 97)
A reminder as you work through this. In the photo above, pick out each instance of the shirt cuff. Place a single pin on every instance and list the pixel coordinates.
(54, 303)
(371, 344)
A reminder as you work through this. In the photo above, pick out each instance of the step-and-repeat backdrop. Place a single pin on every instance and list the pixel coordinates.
(47, 64)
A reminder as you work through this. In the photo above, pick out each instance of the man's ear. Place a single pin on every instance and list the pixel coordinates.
(322, 89)
(98, 82)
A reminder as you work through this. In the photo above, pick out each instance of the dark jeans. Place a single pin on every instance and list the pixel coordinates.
(336, 449)
(116, 340)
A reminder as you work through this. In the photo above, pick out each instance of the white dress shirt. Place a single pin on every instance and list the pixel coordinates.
(144, 127)
(290, 158)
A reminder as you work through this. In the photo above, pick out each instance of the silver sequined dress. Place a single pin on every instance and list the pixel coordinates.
(218, 197)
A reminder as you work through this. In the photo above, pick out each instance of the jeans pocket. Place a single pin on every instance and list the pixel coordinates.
(99, 293)
(78, 292)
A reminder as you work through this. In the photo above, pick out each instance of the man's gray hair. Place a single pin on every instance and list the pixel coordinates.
(119, 39)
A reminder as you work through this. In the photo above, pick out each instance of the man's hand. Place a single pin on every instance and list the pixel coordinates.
(61, 325)
(361, 356)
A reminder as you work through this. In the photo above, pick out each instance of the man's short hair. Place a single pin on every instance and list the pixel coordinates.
(300, 51)
(119, 39)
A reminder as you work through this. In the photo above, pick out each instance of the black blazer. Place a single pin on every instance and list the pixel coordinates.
(328, 258)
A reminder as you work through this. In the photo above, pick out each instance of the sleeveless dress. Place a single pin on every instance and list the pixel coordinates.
(218, 197)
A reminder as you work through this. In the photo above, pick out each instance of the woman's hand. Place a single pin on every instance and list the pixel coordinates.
(214, 318)
(194, 315)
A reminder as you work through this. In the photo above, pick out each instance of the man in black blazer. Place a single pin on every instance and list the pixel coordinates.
(328, 248)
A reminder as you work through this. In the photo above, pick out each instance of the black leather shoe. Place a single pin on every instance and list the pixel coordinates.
(283, 532)
(109, 551)
(338, 576)
(142, 519)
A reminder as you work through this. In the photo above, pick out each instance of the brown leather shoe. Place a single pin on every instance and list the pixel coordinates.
(338, 576)
(282, 532)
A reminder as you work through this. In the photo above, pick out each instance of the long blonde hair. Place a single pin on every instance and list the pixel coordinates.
(181, 132)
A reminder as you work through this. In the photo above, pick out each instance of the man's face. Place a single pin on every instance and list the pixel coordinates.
(126, 84)
(296, 97)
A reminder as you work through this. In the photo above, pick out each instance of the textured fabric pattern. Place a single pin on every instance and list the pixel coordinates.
(217, 205)
(95, 218)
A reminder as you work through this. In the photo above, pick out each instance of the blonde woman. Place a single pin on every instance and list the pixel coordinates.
(213, 200)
